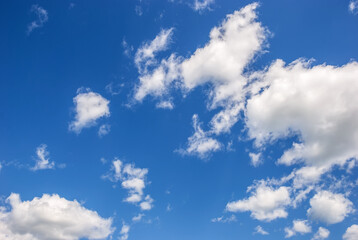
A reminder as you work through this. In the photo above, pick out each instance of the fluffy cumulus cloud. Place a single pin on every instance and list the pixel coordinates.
(51, 218)
(329, 207)
(351, 233)
(322, 233)
(41, 18)
(134, 180)
(42, 159)
(89, 106)
(265, 203)
(317, 103)
(299, 226)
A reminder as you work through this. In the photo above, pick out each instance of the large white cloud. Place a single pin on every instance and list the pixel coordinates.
(329, 207)
(89, 106)
(317, 103)
(265, 203)
(223, 59)
(351, 233)
(51, 218)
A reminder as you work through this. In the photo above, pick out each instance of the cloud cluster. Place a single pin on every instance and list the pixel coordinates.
(201, 5)
(134, 180)
(51, 218)
(89, 106)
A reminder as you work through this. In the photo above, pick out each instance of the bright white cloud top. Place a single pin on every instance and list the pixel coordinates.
(299, 226)
(89, 106)
(322, 233)
(51, 217)
(329, 208)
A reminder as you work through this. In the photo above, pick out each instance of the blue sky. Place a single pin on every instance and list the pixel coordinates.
(178, 119)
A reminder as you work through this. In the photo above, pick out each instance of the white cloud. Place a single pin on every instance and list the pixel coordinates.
(353, 6)
(200, 143)
(260, 230)
(256, 159)
(104, 130)
(200, 5)
(157, 81)
(43, 160)
(322, 233)
(165, 105)
(223, 219)
(147, 204)
(138, 218)
(42, 18)
(145, 55)
(329, 208)
(89, 106)
(222, 61)
(124, 234)
(51, 218)
(134, 180)
(316, 103)
(265, 203)
(299, 226)
(351, 233)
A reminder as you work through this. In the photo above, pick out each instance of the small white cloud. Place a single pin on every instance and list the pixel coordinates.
(51, 217)
(223, 219)
(42, 159)
(260, 230)
(134, 180)
(147, 204)
(165, 105)
(351, 233)
(42, 18)
(299, 226)
(200, 143)
(353, 6)
(89, 106)
(265, 203)
(169, 208)
(329, 208)
(256, 159)
(322, 233)
(104, 130)
(201, 5)
(138, 218)
(124, 234)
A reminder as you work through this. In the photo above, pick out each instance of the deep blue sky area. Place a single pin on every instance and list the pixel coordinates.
(92, 45)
